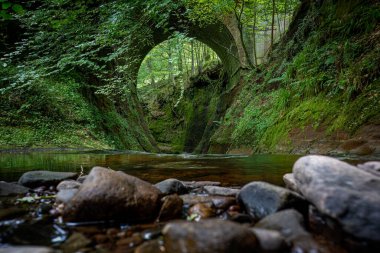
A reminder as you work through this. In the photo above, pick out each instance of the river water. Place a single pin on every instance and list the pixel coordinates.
(230, 170)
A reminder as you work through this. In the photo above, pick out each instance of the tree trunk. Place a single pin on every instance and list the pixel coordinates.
(272, 33)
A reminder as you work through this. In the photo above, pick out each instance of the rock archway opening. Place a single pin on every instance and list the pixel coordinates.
(180, 84)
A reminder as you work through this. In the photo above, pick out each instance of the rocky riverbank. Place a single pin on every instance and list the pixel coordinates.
(328, 206)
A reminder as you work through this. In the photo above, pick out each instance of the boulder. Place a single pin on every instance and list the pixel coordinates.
(290, 224)
(114, 195)
(342, 192)
(208, 236)
(44, 178)
(8, 189)
(222, 191)
(261, 199)
(171, 208)
(171, 186)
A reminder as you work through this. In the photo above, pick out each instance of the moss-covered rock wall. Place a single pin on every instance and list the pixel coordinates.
(319, 91)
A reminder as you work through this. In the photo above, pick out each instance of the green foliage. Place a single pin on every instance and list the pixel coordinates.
(330, 84)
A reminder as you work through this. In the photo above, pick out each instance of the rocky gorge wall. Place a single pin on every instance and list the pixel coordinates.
(319, 90)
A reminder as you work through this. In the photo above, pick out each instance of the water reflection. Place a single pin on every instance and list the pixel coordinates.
(230, 170)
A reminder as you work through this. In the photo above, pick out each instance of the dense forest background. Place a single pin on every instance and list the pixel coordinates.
(76, 74)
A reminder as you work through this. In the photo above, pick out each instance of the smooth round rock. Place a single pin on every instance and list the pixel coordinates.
(9, 189)
(113, 195)
(44, 178)
(171, 186)
(261, 199)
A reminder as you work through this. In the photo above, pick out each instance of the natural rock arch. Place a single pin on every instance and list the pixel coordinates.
(217, 36)
(223, 38)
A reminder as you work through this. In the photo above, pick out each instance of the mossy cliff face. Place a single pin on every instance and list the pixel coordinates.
(67, 113)
(185, 123)
(319, 91)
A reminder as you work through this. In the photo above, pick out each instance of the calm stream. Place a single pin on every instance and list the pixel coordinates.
(228, 169)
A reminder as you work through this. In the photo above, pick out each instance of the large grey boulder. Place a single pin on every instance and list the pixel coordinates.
(341, 191)
(208, 236)
(44, 178)
(8, 189)
(261, 199)
(108, 194)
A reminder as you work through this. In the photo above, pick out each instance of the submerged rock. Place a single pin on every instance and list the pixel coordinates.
(8, 189)
(208, 236)
(261, 199)
(113, 195)
(343, 192)
(44, 178)
(171, 186)
(222, 191)
(290, 224)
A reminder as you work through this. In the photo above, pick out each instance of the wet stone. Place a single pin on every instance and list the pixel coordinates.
(191, 185)
(290, 224)
(270, 240)
(171, 186)
(202, 211)
(223, 191)
(372, 167)
(12, 212)
(261, 199)
(132, 241)
(171, 208)
(290, 182)
(219, 202)
(342, 192)
(26, 249)
(208, 236)
(68, 184)
(75, 242)
(44, 178)
(9, 189)
(113, 195)
(150, 247)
